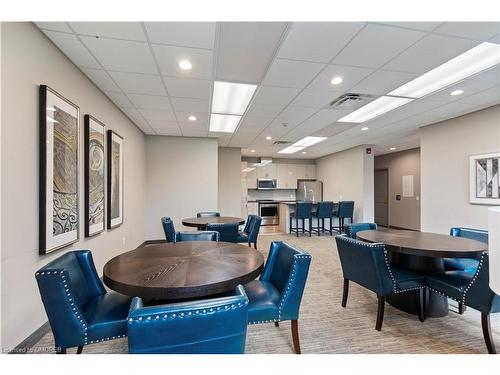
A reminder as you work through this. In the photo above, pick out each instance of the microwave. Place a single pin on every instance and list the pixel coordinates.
(266, 184)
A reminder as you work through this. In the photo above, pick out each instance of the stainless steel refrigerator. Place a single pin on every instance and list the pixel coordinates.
(309, 190)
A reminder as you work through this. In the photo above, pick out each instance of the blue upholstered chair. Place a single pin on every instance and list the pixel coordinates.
(228, 232)
(353, 229)
(168, 228)
(210, 326)
(208, 214)
(324, 211)
(251, 231)
(277, 294)
(367, 265)
(79, 309)
(344, 211)
(203, 235)
(472, 290)
(465, 264)
(303, 211)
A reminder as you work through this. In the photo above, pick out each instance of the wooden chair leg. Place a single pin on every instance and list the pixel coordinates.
(345, 293)
(421, 304)
(488, 337)
(79, 350)
(380, 312)
(295, 336)
(276, 324)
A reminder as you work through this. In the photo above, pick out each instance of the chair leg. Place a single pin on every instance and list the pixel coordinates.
(303, 226)
(461, 308)
(310, 226)
(276, 324)
(488, 337)
(345, 294)
(295, 336)
(297, 226)
(380, 312)
(79, 350)
(255, 245)
(421, 304)
(290, 225)
(331, 224)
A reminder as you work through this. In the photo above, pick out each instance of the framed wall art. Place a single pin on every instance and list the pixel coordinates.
(115, 180)
(94, 175)
(484, 179)
(59, 169)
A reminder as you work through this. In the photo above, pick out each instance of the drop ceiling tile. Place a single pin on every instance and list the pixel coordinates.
(101, 79)
(133, 114)
(118, 30)
(190, 105)
(201, 119)
(249, 122)
(139, 83)
(413, 108)
(188, 88)
(156, 115)
(168, 58)
(428, 53)
(317, 41)
(469, 86)
(54, 26)
(168, 132)
(150, 102)
(290, 73)
(194, 130)
(275, 95)
(293, 116)
(334, 129)
(316, 98)
(490, 75)
(245, 49)
(375, 45)
(487, 97)
(383, 81)
(71, 47)
(351, 76)
(119, 99)
(452, 110)
(424, 26)
(264, 110)
(163, 124)
(186, 34)
(471, 30)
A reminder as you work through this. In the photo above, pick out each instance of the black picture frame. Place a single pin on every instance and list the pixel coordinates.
(115, 180)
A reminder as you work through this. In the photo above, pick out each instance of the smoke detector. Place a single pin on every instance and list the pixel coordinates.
(350, 101)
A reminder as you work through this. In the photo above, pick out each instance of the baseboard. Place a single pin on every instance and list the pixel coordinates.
(28, 343)
(401, 228)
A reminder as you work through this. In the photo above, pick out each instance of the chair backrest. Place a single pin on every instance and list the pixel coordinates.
(346, 209)
(366, 264)
(254, 229)
(228, 232)
(197, 236)
(303, 210)
(478, 293)
(353, 229)
(66, 286)
(168, 228)
(211, 326)
(208, 214)
(325, 209)
(473, 234)
(287, 268)
(248, 224)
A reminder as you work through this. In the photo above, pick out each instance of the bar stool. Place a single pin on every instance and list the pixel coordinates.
(324, 211)
(303, 210)
(345, 211)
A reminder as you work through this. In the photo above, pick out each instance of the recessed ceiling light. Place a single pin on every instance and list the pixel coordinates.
(304, 152)
(223, 123)
(192, 118)
(392, 148)
(185, 65)
(364, 128)
(336, 80)
(231, 98)
(269, 137)
(456, 92)
(252, 150)
(375, 108)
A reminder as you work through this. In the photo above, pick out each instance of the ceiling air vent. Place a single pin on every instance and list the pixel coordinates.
(278, 143)
(350, 101)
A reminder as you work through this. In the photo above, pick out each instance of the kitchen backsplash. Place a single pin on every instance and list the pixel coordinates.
(278, 195)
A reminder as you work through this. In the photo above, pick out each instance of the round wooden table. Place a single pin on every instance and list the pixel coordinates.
(182, 270)
(202, 222)
(422, 252)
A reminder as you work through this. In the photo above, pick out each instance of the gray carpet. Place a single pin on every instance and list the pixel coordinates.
(326, 327)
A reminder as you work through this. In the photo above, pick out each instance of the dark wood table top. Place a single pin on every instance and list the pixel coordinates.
(424, 244)
(201, 222)
(182, 270)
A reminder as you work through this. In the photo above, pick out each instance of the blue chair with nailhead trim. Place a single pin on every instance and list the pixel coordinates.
(465, 264)
(251, 231)
(303, 211)
(208, 214)
(79, 309)
(367, 265)
(353, 229)
(228, 232)
(202, 235)
(323, 211)
(210, 326)
(168, 228)
(277, 294)
(471, 290)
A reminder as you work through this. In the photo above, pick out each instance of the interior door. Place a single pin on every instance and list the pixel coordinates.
(382, 197)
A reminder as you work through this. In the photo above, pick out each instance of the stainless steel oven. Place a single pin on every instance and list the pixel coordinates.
(268, 211)
(266, 184)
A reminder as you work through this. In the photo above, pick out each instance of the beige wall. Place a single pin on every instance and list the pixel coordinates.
(348, 175)
(445, 149)
(229, 181)
(404, 213)
(29, 59)
(181, 180)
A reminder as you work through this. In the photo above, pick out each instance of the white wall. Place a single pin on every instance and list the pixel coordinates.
(348, 175)
(445, 149)
(229, 181)
(28, 60)
(181, 180)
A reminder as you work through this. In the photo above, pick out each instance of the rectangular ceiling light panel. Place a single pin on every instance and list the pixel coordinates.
(231, 98)
(302, 144)
(475, 60)
(291, 150)
(223, 123)
(375, 108)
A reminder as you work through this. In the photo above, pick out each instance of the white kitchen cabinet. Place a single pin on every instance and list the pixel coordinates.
(252, 179)
(281, 175)
(301, 171)
(291, 176)
(310, 173)
(268, 171)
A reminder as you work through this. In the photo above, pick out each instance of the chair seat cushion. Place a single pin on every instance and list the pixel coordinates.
(450, 283)
(405, 279)
(263, 301)
(107, 316)
(242, 237)
(461, 264)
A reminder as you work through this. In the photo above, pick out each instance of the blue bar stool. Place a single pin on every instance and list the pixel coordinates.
(324, 211)
(303, 211)
(345, 211)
